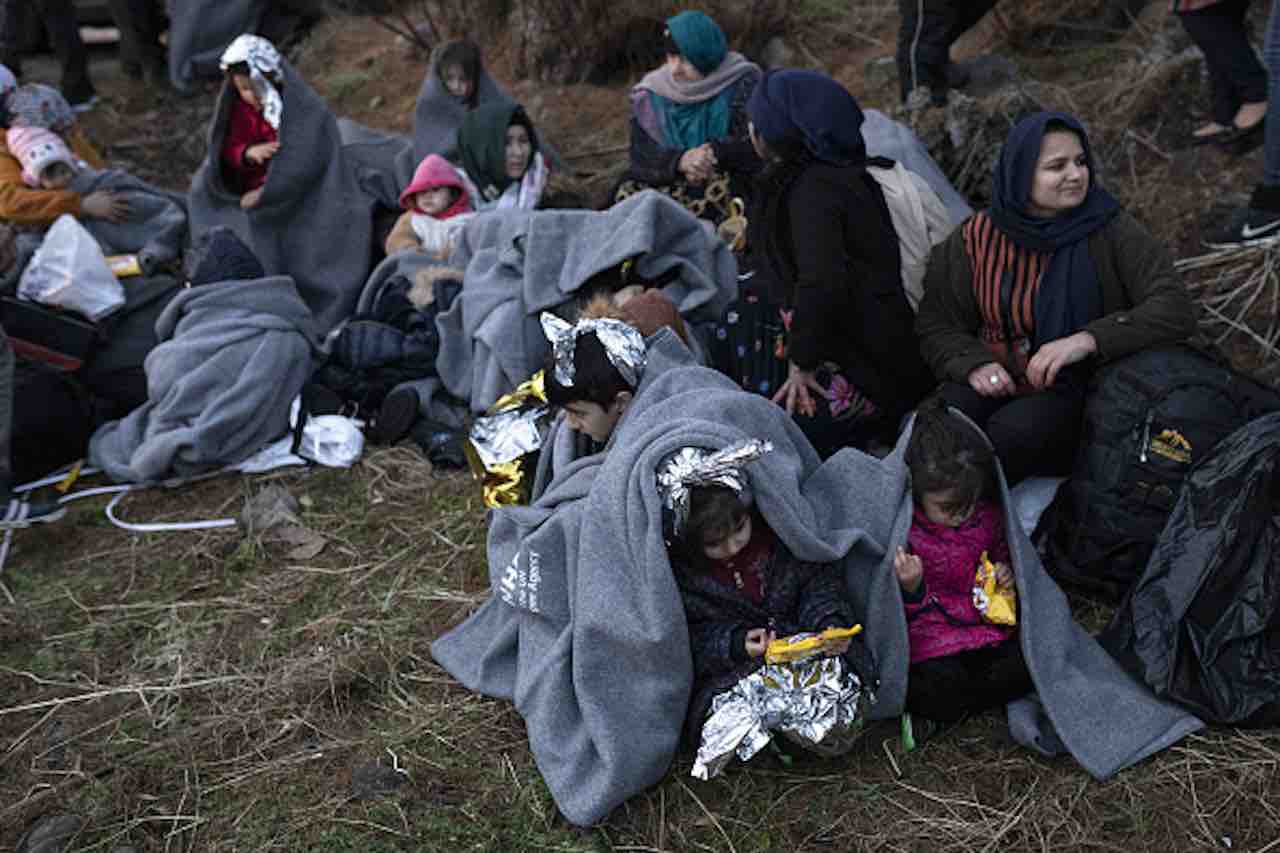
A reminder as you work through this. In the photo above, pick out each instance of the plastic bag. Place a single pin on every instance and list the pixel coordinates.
(997, 602)
(69, 271)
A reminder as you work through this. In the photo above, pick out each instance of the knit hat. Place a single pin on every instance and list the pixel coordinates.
(435, 171)
(219, 255)
(37, 149)
(37, 105)
(700, 39)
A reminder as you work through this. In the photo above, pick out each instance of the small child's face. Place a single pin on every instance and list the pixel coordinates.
(943, 508)
(56, 176)
(457, 82)
(434, 201)
(519, 150)
(731, 544)
(594, 419)
(244, 88)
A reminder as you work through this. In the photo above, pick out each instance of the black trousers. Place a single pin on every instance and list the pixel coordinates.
(1236, 76)
(59, 19)
(1035, 434)
(929, 28)
(951, 688)
(140, 24)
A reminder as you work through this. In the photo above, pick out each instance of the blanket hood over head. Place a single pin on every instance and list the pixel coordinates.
(231, 358)
(521, 263)
(585, 631)
(437, 115)
(314, 221)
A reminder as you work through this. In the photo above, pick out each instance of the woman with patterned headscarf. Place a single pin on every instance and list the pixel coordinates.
(34, 105)
(689, 123)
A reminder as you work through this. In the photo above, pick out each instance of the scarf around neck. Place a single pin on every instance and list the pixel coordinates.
(1070, 295)
(691, 113)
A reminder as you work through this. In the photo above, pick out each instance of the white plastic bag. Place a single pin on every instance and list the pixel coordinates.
(69, 271)
(331, 440)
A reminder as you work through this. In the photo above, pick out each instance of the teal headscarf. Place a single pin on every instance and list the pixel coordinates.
(702, 42)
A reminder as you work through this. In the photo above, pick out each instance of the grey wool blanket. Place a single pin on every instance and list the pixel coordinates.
(200, 30)
(384, 162)
(521, 263)
(230, 359)
(437, 115)
(156, 229)
(1085, 704)
(585, 631)
(314, 221)
(893, 139)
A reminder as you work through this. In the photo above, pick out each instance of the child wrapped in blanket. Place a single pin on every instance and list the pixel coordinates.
(252, 64)
(156, 225)
(436, 207)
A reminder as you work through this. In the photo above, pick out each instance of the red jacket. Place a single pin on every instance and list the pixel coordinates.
(944, 621)
(245, 127)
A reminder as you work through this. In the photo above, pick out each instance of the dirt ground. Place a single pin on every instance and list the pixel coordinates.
(226, 690)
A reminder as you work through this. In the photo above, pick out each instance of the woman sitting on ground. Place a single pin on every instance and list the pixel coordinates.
(1026, 298)
(688, 121)
(500, 155)
(21, 204)
(821, 231)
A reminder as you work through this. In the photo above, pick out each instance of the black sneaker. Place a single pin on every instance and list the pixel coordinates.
(395, 418)
(20, 513)
(1248, 226)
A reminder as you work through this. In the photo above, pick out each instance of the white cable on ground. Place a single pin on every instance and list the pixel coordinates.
(162, 526)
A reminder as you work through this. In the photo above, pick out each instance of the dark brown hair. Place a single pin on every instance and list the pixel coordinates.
(714, 513)
(946, 454)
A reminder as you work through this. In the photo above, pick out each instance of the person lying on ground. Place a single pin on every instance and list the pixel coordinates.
(688, 121)
(253, 130)
(157, 223)
(1025, 299)
(741, 586)
(961, 664)
(436, 205)
(40, 106)
(501, 160)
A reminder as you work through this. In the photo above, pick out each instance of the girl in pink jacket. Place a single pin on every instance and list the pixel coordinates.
(960, 663)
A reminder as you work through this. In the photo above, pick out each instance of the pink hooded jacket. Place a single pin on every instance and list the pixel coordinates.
(435, 171)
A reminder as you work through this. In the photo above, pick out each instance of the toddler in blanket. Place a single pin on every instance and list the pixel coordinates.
(961, 664)
(436, 206)
(252, 65)
(741, 586)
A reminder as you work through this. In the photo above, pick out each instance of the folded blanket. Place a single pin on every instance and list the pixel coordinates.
(314, 221)
(893, 139)
(157, 225)
(231, 358)
(199, 30)
(521, 263)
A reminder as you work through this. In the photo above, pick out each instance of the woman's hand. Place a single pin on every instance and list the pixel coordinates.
(261, 153)
(794, 393)
(105, 205)
(1043, 368)
(909, 569)
(697, 164)
(758, 639)
(992, 380)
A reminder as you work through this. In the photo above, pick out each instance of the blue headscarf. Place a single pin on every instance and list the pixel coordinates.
(811, 107)
(702, 42)
(700, 39)
(1069, 296)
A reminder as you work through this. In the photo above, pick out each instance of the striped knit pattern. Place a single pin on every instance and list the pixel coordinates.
(992, 256)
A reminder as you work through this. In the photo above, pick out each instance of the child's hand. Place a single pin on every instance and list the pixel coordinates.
(250, 199)
(261, 153)
(909, 569)
(839, 647)
(758, 639)
(1004, 574)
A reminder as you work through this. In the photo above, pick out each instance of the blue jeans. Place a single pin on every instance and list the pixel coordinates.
(1271, 56)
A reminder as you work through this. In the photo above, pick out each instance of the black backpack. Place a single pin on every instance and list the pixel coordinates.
(1147, 419)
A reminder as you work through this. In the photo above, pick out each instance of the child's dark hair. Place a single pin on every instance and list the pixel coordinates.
(714, 513)
(241, 69)
(595, 379)
(947, 455)
(463, 53)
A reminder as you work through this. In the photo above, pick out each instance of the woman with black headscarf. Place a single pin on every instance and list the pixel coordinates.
(821, 232)
(1025, 298)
